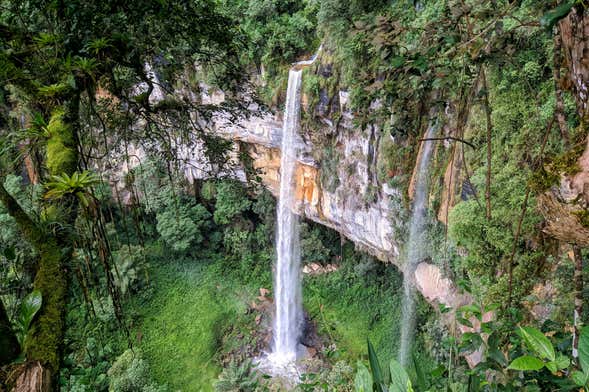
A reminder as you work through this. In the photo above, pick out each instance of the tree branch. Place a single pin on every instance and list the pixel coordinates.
(457, 139)
(24, 222)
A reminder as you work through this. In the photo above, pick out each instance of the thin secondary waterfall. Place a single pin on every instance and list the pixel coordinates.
(288, 320)
(416, 247)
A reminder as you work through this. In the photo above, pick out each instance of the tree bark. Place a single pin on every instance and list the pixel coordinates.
(9, 347)
(559, 108)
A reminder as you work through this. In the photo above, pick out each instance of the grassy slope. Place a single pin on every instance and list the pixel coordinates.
(182, 322)
(193, 301)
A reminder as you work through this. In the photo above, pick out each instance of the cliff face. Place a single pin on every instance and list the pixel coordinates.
(352, 205)
(356, 205)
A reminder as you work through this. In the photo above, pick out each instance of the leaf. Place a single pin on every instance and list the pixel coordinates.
(526, 362)
(375, 366)
(420, 375)
(580, 378)
(363, 380)
(28, 309)
(399, 378)
(497, 356)
(584, 350)
(443, 308)
(537, 342)
(552, 17)
(562, 362)
(464, 321)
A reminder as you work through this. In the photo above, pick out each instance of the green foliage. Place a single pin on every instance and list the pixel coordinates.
(130, 373)
(377, 373)
(61, 147)
(581, 378)
(28, 309)
(77, 184)
(363, 381)
(553, 16)
(237, 378)
(278, 30)
(231, 201)
(184, 226)
(131, 268)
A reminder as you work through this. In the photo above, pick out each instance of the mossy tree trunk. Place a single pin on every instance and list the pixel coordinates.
(55, 247)
(9, 347)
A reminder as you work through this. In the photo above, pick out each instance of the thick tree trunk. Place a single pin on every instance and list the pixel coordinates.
(45, 338)
(564, 206)
(9, 348)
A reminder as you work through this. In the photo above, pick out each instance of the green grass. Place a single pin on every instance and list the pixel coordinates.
(194, 303)
(348, 311)
(183, 320)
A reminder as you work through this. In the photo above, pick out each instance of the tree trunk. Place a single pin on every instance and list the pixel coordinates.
(574, 30)
(578, 312)
(33, 377)
(9, 347)
(45, 337)
(559, 109)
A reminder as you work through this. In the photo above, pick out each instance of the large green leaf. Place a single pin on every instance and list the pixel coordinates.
(581, 378)
(526, 362)
(584, 350)
(553, 16)
(28, 309)
(399, 378)
(363, 380)
(422, 382)
(377, 373)
(537, 342)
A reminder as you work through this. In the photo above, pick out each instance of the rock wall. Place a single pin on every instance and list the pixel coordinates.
(354, 207)
(345, 208)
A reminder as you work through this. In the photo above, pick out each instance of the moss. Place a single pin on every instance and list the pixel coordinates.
(549, 174)
(541, 180)
(583, 217)
(46, 334)
(568, 163)
(61, 146)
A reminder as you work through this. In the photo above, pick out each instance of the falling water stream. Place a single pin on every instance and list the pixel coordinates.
(288, 316)
(288, 319)
(416, 246)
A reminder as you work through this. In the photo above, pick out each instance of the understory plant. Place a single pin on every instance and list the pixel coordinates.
(538, 364)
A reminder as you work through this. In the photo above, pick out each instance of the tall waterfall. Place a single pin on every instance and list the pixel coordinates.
(416, 247)
(288, 320)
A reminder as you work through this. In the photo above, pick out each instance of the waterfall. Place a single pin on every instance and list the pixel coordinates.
(416, 246)
(288, 319)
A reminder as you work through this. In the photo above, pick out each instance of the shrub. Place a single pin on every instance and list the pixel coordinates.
(130, 373)
(231, 201)
(184, 226)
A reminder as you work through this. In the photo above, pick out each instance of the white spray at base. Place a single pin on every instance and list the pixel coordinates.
(416, 246)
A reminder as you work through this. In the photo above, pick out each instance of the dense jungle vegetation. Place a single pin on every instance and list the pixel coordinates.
(123, 270)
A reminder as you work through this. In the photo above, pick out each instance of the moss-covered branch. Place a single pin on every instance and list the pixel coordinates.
(27, 226)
